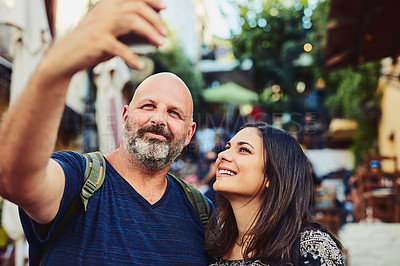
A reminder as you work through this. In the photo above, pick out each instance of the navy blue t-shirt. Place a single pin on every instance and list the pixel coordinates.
(120, 227)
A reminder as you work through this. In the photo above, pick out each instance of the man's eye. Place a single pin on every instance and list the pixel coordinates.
(149, 105)
(175, 114)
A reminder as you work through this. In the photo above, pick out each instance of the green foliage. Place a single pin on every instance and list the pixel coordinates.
(355, 97)
(342, 102)
(272, 37)
(354, 91)
(277, 101)
(365, 141)
(317, 37)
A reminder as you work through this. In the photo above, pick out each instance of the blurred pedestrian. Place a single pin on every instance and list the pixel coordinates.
(205, 137)
(209, 178)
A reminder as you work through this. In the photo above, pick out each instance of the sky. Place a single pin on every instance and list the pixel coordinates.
(223, 16)
(69, 12)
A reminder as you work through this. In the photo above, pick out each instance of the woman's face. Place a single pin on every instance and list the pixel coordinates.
(240, 167)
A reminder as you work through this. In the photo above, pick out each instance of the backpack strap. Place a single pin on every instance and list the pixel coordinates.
(94, 176)
(196, 198)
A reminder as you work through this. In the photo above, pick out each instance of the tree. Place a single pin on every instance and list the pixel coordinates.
(273, 36)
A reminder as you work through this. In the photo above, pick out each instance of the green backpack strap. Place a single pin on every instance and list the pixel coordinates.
(196, 198)
(94, 176)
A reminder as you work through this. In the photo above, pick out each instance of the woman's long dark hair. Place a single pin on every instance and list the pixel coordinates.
(284, 210)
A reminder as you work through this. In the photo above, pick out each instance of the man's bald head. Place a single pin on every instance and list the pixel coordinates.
(165, 82)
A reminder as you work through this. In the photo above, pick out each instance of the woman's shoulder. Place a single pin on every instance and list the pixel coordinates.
(319, 248)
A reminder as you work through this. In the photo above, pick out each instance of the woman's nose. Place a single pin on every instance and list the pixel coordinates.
(224, 155)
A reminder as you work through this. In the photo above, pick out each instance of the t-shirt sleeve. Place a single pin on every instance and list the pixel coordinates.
(73, 165)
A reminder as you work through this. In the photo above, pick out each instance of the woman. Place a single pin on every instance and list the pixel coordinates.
(264, 191)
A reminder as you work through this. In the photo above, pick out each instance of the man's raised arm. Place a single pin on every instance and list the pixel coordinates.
(28, 177)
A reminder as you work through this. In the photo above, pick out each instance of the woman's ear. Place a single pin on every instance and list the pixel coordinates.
(267, 184)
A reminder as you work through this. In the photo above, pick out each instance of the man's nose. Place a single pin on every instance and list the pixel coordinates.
(159, 118)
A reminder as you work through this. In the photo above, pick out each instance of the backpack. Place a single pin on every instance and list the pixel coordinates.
(95, 172)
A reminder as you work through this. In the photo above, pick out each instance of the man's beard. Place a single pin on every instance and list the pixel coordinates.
(152, 153)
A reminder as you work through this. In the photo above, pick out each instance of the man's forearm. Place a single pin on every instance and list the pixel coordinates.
(29, 131)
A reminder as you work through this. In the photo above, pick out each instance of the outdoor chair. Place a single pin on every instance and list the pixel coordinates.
(380, 188)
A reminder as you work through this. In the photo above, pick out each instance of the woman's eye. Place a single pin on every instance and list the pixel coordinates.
(242, 149)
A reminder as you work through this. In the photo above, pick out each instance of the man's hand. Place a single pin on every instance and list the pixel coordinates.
(95, 38)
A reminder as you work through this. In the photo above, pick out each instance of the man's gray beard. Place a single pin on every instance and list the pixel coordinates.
(153, 154)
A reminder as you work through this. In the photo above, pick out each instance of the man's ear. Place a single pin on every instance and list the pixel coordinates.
(125, 114)
(190, 133)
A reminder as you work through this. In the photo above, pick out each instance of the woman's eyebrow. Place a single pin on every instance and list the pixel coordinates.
(245, 143)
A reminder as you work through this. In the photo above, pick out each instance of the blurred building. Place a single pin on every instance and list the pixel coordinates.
(389, 126)
(362, 31)
(189, 21)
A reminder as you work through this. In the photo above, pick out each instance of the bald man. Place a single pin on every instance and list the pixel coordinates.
(139, 215)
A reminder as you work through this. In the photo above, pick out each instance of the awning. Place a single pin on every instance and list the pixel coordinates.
(230, 93)
(363, 30)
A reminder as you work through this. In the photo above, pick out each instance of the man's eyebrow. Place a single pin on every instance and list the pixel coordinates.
(146, 100)
(170, 107)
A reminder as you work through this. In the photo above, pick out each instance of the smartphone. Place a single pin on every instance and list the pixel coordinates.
(138, 44)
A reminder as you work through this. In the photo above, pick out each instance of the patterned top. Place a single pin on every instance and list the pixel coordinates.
(316, 248)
